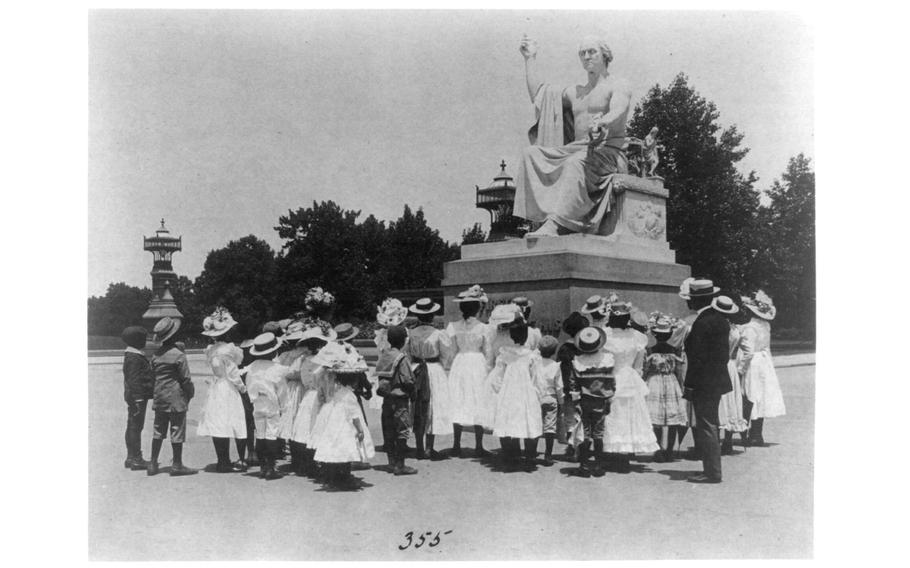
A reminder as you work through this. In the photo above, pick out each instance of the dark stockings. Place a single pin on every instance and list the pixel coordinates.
(222, 450)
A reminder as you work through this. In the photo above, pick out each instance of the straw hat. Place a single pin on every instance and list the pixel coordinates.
(621, 308)
(166, 328)
(684, 288)
(724, 305)
(424, 306)
(265, 343)
(702, 288)
(761, 305)
(246, 343)
(294, 331)
(662, 325)
(473, 294)
(345, 331)
(314, 332)
(593, 304)
(391, 312)
(522, 301)
(590, 339)
(218, 322)
(504, 315)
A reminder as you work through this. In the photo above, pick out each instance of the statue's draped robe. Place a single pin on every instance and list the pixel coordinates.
(565, 179)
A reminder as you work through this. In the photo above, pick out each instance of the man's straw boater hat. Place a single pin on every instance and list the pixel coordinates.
(218, 323)
(424, 306)
(166, 328)
(265, 343)
(593, 304)
(345, 332)
(724, 305)
(761, 305)
(590, 339)
(702, 288)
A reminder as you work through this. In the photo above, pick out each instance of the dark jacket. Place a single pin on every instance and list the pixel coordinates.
(707, 351)
(138, 378)
(564, 356)
(173, 384)
(396, 380)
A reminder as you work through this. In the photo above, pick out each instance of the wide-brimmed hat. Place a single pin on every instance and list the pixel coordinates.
(761, 305)
(662, 325)
(702, 288)
(522, 301)
(345, 331)
(166, 328)
(505, 315)
(218, 322)
(684, 288)
(473, 294)
(724, 305)
(640, 319)
(590, 339)
(294, 331)
(265, 343)
(340, 358)
(424, 306)
(246, 343)
(318, 333)
(620, 308)
(593, 304)
(391, 312)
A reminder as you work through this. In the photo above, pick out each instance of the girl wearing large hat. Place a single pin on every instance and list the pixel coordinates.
(315, 387)
(223, 416)
(266, 386)
(730, 410)
(661, 372)
(468, 385)
(431, 350)
(289, 356)
(628, 426)
(760, 383)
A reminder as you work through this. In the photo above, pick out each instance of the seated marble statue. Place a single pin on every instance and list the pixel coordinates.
(565, 177)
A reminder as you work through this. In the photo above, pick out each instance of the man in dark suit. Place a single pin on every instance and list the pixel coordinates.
(707, 378)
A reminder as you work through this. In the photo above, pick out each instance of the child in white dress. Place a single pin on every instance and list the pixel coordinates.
(266, 386)
(760, 383)
(311, 379)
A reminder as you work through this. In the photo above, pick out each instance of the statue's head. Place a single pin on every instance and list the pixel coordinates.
(589, 48)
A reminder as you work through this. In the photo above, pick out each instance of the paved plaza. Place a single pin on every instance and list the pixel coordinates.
(763, 509)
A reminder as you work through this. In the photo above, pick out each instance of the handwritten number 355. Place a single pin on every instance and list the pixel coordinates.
(421, 539)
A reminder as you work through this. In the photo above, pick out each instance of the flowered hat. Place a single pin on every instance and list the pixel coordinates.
(761, 305)
(473, 294)
(294, 331)
(424, 306)
(617, 307)
(504, 315)
(660, 322)
(684, 288)
(218, 323)
(724, 305)
(340, 358)
(317, 300)
(265, 343)
(391, 312)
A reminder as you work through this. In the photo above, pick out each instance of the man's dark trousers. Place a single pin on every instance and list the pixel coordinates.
(707, 434)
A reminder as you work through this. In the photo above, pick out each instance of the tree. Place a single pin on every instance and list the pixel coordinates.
(791, 238)
(713, 210)
(120, 307)
(240, 277)
(474, 235)
(417, 252)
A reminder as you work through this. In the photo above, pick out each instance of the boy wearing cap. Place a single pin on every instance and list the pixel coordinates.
(138, 382)
(397, 387)
(267, 387)
(172, 393)
(592, 386)
(564, 356)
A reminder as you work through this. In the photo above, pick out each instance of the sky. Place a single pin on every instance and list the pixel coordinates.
(222, 121)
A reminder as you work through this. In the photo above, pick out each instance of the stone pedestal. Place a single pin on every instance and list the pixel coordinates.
(632, 259)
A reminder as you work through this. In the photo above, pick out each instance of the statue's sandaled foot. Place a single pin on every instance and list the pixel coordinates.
(549, 229)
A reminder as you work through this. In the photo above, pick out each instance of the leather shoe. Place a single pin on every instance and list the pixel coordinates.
(136, 464)
(582, 472)
(702, 478)
(180, 469)
(152, 468)
(405, 470)
(436, 456)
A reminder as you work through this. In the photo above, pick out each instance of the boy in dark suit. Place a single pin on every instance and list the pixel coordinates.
(707, 378)
(138, 382)
(396, 386)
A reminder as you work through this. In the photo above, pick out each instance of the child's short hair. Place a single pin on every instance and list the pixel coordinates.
(396, 336)
(134, 336)
(548, 345)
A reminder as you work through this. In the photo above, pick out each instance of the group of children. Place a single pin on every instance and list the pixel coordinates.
(610, 388)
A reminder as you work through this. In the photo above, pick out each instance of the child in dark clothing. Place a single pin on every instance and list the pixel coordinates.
(138, 385)
(396, 386)
(564, 356)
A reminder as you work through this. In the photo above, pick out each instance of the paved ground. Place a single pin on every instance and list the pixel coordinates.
(764, 508)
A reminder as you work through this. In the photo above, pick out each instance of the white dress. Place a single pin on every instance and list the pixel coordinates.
(291, 399)
(325, 389)
(222, 415)
(468, 386)
(266, 385)
(311, 377)
(336, 441)
(517, 382)
(427, 342)
(628, 428)
(730, 410)
(760, 383)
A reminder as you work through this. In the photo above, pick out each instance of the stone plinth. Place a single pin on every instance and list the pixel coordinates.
(558, 273)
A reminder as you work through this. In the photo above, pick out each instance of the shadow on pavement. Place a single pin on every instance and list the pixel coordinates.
(676, 475)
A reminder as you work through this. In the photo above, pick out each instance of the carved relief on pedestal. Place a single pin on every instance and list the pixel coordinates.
(646, 219)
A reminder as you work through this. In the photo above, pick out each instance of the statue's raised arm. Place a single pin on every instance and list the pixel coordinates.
(564, 178)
